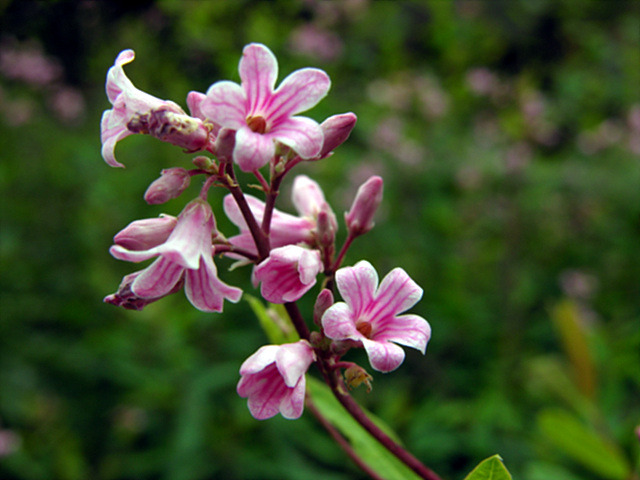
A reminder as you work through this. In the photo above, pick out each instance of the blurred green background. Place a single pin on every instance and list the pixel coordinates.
(508, 135)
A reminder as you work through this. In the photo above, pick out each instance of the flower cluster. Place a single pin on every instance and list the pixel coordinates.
(254, 124)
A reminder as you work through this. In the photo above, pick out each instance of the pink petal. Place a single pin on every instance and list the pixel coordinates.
(258, 72)
(205, 290)
(109, 136)
(293, 360)
(117, 81)
(252, 150)
(259, 360)
(307, 196)
(383, 356)
(292, 405)
(136, 256)
(357, 285)
(396, 293)
(339, 323)
(297, 93)
(225, 105)
(408, 330)
(309, 265)
(302, 134)
(158, 279)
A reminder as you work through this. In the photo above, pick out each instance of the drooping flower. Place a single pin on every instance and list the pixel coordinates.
(261, 115)
(287, 273)
(273, 379)
(370, 314)
(135, 111)
(286, 229)
(186, 253)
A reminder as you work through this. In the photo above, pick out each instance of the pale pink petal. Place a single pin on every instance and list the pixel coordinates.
(258, 71)
(194, 102)
(383, 356)
(110, 135)
(252, 150)
(292, 405)
(408, 330)
(339, 323)
(117, 81)
(293, 360)
(357, 285)
(135, 256)
(225, 105)
(205, 290)
(264, 356)
(297, 93)
(307, 196)
(302, 134)
(158, 279)
(309, 265)
(397, 293)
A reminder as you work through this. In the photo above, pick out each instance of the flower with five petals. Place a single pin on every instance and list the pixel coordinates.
(370, 316)
(261, 115)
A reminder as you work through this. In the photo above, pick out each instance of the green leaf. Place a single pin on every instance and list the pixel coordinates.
(584, 445)
(274, 321)
(367, 447)
(491, 468)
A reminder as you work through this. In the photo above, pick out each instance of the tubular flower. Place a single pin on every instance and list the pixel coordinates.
(273, 379)
(186, 253)
(261, 115)
(135, 111)
(287, 273)
(369, 314)
(286, 229)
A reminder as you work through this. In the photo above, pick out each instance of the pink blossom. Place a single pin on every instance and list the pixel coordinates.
(135, 111)
(370, 314)
(261, 115)
(186, 253)
(288, 273)
(273, 379)
(286, 229)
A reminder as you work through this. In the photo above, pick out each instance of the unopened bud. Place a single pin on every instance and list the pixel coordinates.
(146, 234)
(225, 142)
(203, 163)
(323, 302)
(336, 130)
(171, 184)
(359, 219)
(327, 225)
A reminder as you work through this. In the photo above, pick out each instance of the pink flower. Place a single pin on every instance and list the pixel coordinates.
(185, 253)
(370, 314)
(288, 273)
(286, 229)
(262, 115)
(273, 379)
(135, 111)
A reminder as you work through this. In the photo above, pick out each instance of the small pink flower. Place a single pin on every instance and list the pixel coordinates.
(135, 111)
(185, 253)
(370, 314)
(273, 379)
(286, 229)
(288, 273)
(261, 115)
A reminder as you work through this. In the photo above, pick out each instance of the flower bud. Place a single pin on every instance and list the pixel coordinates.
(146, 234)
(327, 226)
(225, 142)
(323, 302)
(360, 218)
(171, 184)
(336, 130)
(125, 297)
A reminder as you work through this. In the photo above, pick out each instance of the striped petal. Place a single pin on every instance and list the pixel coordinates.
(302, 134)
(297, 93)
(258, 71)
(225, 105)
(252, 150)
(357, 285)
